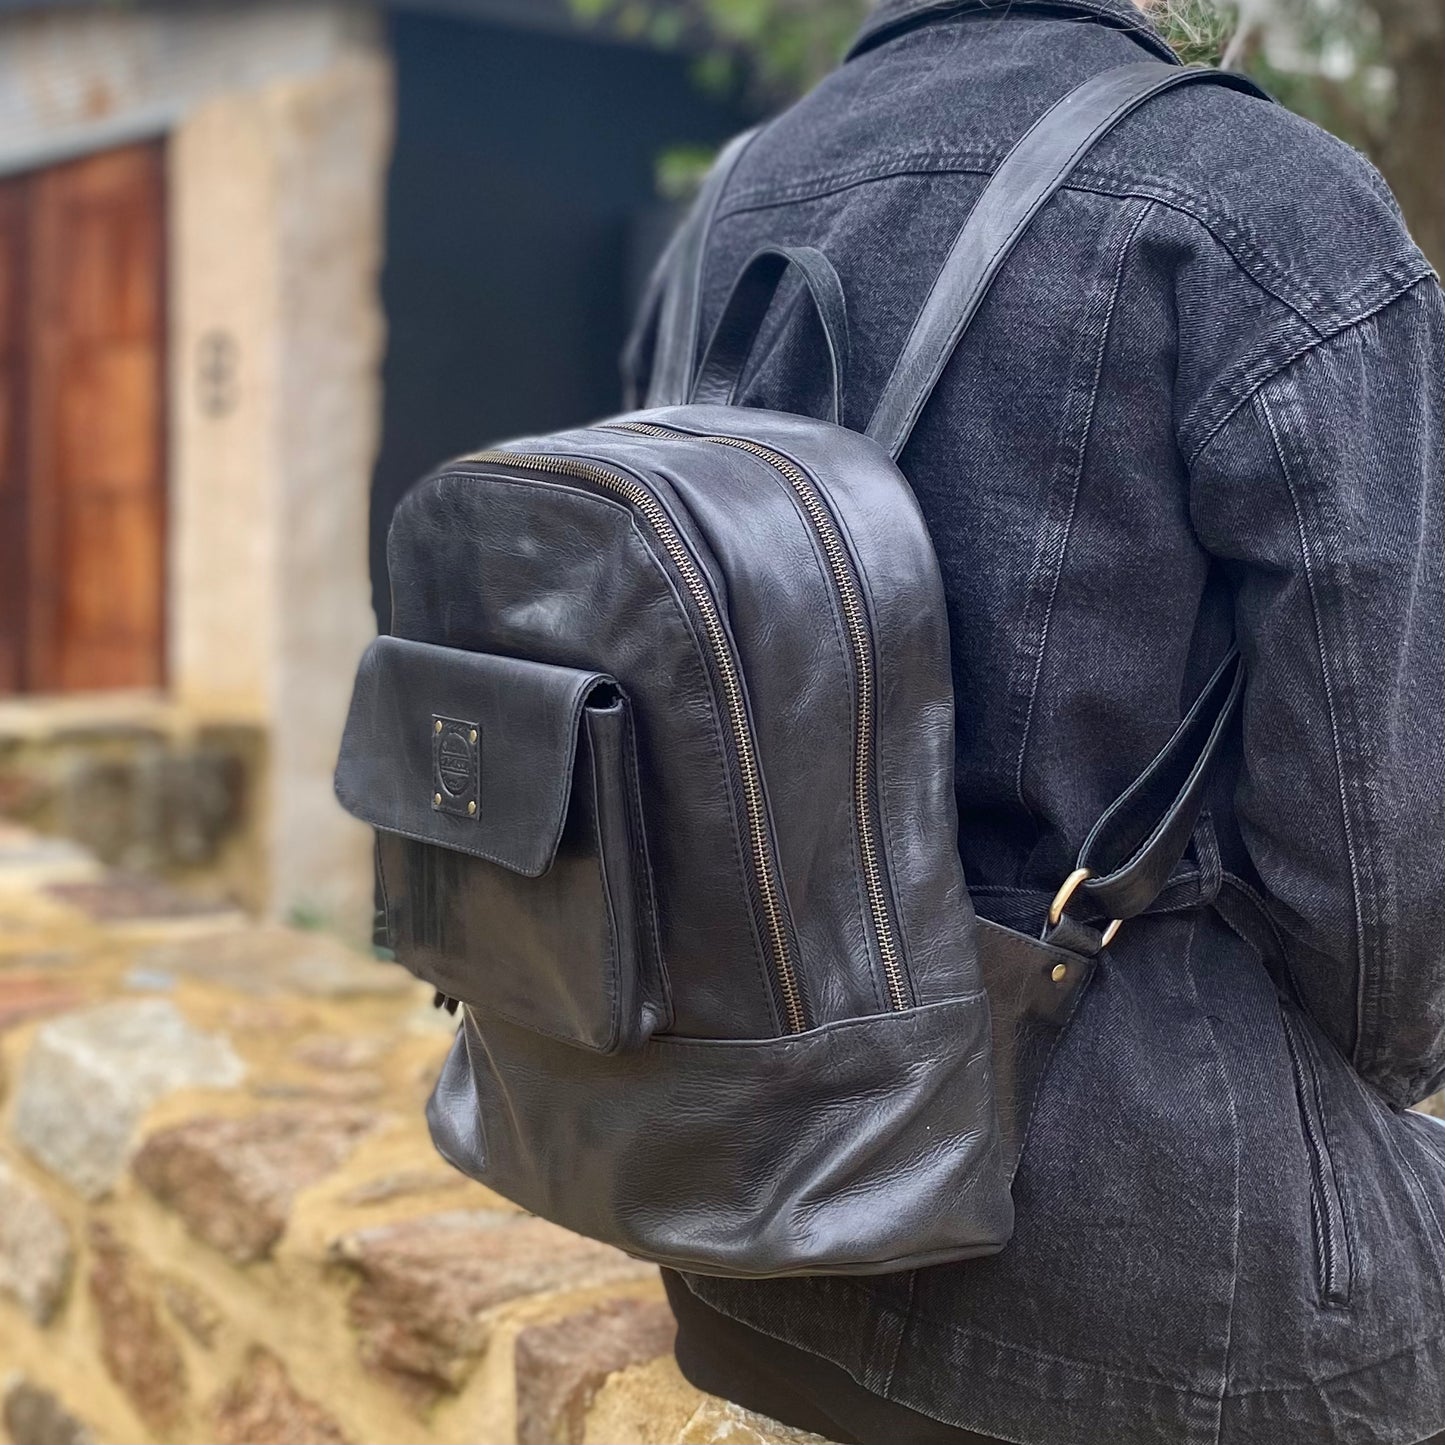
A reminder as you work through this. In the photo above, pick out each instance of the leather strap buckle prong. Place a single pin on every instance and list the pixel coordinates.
(1066, 892)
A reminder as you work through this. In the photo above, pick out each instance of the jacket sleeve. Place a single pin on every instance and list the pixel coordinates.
(1322, 497)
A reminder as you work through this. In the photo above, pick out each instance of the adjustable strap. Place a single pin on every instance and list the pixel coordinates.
(1130, 853)
(1031, 172)
(670, 320)
(736, 334)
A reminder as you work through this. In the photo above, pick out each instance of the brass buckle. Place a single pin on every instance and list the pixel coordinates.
(1062, 898)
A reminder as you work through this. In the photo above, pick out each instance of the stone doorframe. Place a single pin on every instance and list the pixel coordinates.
(278, 122)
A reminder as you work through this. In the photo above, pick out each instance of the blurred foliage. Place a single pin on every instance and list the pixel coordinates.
(774, 49)
(1368, 70)
(1321, 58)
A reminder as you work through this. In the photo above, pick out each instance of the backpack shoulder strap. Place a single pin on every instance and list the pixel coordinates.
(1031, 172)
(669, 322)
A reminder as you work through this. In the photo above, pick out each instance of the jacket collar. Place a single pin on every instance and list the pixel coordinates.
(890, 16)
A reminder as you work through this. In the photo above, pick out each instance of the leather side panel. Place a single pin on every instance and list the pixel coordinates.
(1030, 1009)
(863, 1147)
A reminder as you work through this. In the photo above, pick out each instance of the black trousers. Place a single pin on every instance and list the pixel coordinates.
(722, 1357)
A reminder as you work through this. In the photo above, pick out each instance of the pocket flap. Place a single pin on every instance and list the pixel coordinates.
(464, 750)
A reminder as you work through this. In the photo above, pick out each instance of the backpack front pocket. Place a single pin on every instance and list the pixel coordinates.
(510, 847)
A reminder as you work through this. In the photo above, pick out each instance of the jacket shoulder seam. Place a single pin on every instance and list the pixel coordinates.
(1237, 402)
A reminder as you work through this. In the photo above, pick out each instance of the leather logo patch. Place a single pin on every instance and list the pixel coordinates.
(456, 752)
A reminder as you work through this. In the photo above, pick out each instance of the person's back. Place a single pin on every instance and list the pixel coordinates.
(1201, 404)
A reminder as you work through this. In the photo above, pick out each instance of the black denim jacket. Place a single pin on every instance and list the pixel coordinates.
(1202, 403)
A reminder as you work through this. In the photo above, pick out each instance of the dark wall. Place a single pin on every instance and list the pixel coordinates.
(520, 200)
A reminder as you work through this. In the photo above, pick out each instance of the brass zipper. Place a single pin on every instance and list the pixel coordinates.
(764, 853)
(860, 643)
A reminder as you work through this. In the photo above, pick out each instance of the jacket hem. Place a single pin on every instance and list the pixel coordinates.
(1020, 1395)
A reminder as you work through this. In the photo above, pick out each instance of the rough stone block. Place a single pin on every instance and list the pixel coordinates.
(262, 1407)
(133, 897)
(339, 1053)
(233, 1181)
(36, 1256)
(401, 1183)
(274, 960)
(720, 1422)
(648, 1404)
(136, 800)
(193, 1310)
(36, 1416)
(561, 1365)
(90, 1076)
(349, 1088)
(426, 1285)
(26, 996)
(139, 1352)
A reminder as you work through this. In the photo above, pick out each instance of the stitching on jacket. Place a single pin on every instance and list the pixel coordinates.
(1232, 231)
(1228, 1082)
(1372, 293)
(902, 1317)
(1326, 1177)
(1402, 290)
(1058, 563)
(1332, 709)
(1338, 1174)
(1029, 1379)
(1415, 1187)
(1388, 1122)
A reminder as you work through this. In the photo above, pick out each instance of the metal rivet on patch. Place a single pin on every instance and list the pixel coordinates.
(1060, 973)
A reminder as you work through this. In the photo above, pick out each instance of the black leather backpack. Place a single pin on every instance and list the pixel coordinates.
(660, 758)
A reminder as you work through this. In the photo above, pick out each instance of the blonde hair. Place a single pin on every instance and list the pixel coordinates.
(1198, 30)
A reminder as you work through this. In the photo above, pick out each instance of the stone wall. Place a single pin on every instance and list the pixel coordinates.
(145, 786)
(221, 1218)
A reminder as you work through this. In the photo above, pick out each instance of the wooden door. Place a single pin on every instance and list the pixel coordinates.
(13, 570)
(93, 466)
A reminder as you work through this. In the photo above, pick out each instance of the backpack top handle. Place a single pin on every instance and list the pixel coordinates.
(1036, 167)
(669, 322)
(735, 337)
